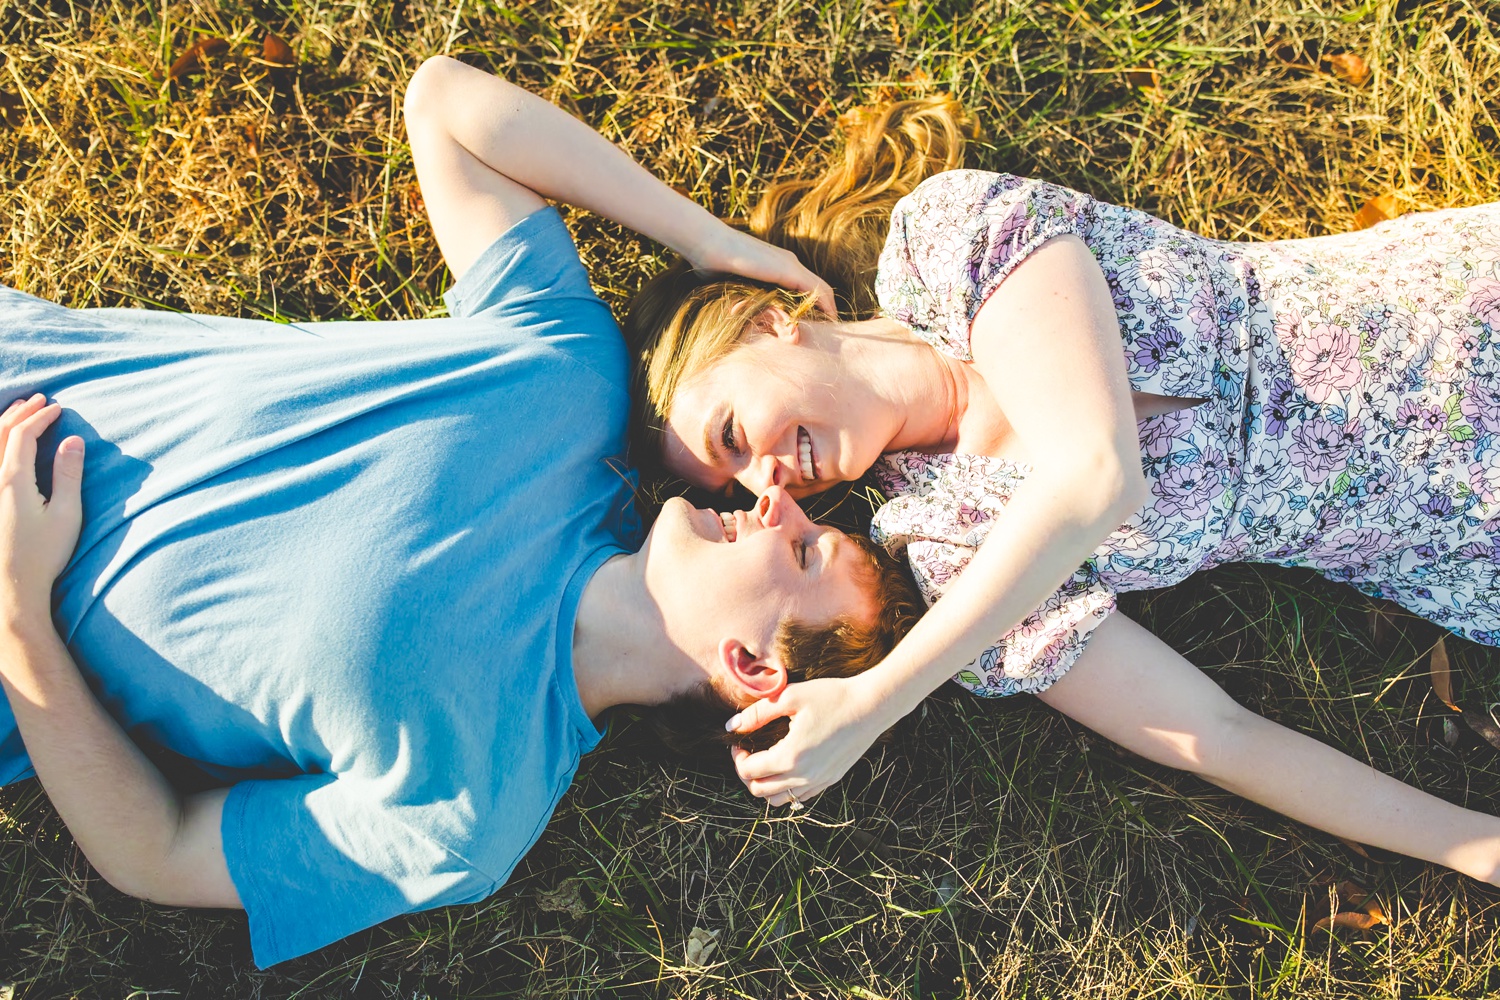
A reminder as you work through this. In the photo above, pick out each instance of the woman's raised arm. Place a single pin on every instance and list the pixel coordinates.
(487, 152)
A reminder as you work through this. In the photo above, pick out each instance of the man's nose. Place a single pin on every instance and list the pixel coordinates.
(776, 507)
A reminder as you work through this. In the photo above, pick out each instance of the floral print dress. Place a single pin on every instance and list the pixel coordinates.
(1351, 422)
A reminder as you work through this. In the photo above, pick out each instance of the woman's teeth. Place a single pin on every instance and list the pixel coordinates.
(729, 529)
(805, 455)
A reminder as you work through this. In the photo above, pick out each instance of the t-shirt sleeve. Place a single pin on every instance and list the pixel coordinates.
(531, 268)
(956, 237)
(316, 858)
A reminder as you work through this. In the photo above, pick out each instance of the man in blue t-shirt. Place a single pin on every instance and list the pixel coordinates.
(377, 579)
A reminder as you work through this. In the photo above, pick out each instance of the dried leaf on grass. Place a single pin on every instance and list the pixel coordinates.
(1357, 921)
(277, 52)
(1377, 209)
(648, 129)
(1367, 912)
(1147, 81)
(1349, 67)
(1442, 675)
(1356, 847)
(1351, 893)
(191, 61)
(700, 947)
(1483, 723)
(11, 109)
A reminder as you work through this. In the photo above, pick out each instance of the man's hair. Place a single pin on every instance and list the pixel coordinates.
(693, 722)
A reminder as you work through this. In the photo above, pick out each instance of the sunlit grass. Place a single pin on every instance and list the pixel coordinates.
(986, 849)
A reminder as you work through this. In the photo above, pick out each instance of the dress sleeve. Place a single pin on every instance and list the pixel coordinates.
(944, 510)
(316, 858)
(531, 268)
(954, 239)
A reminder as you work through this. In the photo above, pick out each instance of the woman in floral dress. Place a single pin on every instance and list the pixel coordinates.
(1352, 402)
(1066, 399)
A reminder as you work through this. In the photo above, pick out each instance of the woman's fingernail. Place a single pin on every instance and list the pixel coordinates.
(732, 724)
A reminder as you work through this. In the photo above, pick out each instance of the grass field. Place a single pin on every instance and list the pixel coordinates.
(988, 849)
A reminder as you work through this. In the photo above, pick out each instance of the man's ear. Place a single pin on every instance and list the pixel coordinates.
(748, 677)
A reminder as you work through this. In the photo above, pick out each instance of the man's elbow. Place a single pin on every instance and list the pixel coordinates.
(133, 880)
(425, 89)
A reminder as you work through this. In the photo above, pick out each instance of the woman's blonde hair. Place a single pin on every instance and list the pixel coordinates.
(682, 322)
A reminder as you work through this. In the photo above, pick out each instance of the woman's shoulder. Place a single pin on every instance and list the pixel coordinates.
(977, 193)
(956, 236)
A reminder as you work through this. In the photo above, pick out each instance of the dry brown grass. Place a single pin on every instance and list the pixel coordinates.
(991, 849)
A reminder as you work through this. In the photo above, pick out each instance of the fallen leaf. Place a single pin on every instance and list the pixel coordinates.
(701, 945)
(1358, 921)
(1147, 81)
(1349, 67)
(566, 898)
(276, 52)
(1442, 675)
(1351, 894)
(11, 108)
(1377, 209)
(1484, 724)
(252, 141)
(191, 61)
(1356, 848)
(649, 128)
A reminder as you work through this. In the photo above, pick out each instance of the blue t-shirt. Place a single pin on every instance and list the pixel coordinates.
(339, 563)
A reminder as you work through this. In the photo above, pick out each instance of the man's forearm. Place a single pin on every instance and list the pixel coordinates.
(538, 144)
(118, 806)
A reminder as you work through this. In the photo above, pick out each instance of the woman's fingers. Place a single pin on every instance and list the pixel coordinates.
(67, 480)
(22, 426)
(16, 412)
(766, 764)
(758, 714)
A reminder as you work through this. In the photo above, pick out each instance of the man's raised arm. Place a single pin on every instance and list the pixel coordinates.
(487, 152)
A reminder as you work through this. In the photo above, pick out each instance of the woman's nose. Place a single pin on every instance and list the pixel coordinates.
(767, 471)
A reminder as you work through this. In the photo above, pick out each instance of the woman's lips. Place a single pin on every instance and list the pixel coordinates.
(805, 461)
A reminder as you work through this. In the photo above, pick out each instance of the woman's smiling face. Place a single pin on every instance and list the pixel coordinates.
(777, 411)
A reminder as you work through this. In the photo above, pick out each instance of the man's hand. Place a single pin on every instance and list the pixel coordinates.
(36, 535)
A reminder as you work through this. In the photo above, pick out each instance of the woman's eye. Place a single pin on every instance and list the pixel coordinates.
(726, 436)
